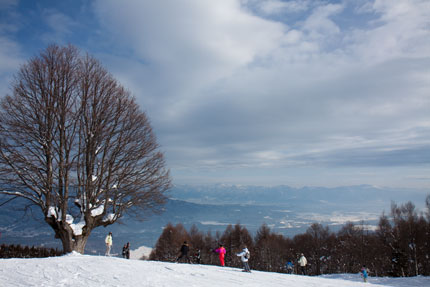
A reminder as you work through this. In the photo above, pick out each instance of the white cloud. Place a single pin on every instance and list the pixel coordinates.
(271, 7)
(60, 24)
(196, 38)
(10, 60)
(189, 44)
(229, 88)
(401, 30)
(319, 24)
(9, 55)
(10, 50)
(261, 90)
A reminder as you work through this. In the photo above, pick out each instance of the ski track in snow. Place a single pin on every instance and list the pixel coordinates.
(93, 271)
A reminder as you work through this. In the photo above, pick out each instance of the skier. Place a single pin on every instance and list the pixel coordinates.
(303, 262)
(126, 250)
(364, 273)
(184, 252)
(244, 256)
(290, 267)
(221, 251)
(108, 241)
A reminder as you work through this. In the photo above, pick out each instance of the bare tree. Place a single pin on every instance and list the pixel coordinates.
(75, 143)
(169, 243)
(319, 250)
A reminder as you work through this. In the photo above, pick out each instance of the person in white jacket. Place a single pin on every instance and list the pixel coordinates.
(244, 256)
(108, 241)
(303, 262)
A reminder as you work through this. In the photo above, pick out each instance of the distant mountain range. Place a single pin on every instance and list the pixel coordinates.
(360, 195)
(284, 209)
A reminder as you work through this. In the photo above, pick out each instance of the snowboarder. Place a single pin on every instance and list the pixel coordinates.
(184, 252)
(290, 267)
(108, 241)
(244, 257)
(303, 262)
(126, 251)
(364, 273)
(221, 251)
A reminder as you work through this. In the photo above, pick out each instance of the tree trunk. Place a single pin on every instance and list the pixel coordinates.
(79, 243)
(69, 241)
(73, 243)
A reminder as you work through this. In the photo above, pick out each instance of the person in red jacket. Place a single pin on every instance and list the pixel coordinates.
(221, 251)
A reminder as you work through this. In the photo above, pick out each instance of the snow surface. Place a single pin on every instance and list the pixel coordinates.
(84, 270)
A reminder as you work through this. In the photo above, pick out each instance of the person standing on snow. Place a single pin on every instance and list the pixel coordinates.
(198, 256)
(124, 248)
(221, 251)
(303, 262)
(126, 251)
(244, 257)
(364, 273)
(108, 241)
(290, 267)
(184, 252)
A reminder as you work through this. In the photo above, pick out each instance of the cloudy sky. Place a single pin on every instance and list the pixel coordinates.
(257, 92)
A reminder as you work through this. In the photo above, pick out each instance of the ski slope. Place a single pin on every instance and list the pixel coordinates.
(84, 270)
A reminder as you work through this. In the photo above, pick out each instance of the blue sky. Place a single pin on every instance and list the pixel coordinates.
(257, 92)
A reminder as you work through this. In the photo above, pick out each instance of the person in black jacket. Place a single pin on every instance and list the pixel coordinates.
(198, 256)
(184, 252)
(126, 251)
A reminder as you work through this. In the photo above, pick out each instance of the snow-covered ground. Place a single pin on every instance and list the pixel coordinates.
(89, 271)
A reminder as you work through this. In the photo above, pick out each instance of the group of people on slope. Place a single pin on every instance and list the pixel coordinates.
(183, 253)
(244, 255)
(125, 248)
(303, 262)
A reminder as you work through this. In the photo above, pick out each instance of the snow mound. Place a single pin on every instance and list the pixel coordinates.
(140, 252)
